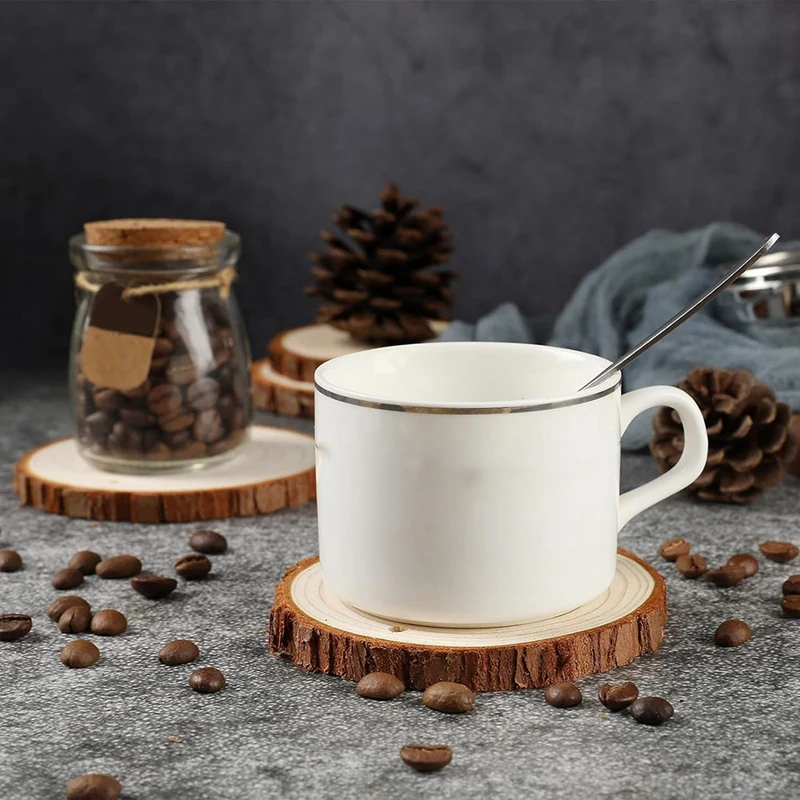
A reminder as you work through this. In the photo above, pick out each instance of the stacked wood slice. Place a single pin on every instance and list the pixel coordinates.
(284, 382)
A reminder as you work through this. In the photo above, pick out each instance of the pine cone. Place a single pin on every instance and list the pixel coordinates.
(375, 283)
(749, 441)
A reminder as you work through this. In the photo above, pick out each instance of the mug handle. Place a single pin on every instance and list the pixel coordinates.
(695, 450)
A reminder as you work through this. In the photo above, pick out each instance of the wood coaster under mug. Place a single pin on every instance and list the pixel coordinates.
(273, 470)
(316, 631)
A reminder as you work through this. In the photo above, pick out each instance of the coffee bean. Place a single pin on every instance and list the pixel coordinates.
(692, 565)
(14, 626)
(10, 561)
(782, 552)
(162, 347)
(76, 619)
(139, 392)
(745, 560)
(791, 585)
(651, 710)
(178, 439)
(380, 686)
(119, 567)
(93, 786)
(158, 452)
(615, 697)
(673, 548)
(79, 654)
(125, 437)
(181, 370)
(153, 586)
(109, 622)
(206, 541)
(99, 424)
(85, 560)
(189, 451)
(732, 633)
(180, 651)
(563, 695)
(61, 604)
(448, 697)
(791, 605)
(67, 578)
(203, 394)
(107, 399)
(192, 566)
(137, 418)
(164, 400)
(207, 680)
(724, 577)
(426, 757)
(208, 426)
(179, 421)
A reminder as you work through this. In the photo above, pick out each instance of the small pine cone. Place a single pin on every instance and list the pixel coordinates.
(750, 444)
(380, 279)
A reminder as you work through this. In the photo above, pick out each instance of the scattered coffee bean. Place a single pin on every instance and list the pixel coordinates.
(67, 578)
(14, 626)
(380, 686)
(61, 604)
(207, 680)
(109, 622)
(93, 787)
(177, 422)
(208, 427)
(179, 651)
(673, 548)
(138, 392)
(426, 757)
(724, 577)
(692, 565)
(791, 605)
(182, 370)
(732, 633)
(86, 561)
(153, 586)
(448, 697)
(10, 561)
(79, 654)
(563, 695)
(193, 566)
(209, 542)
(782, 552)
(76, 619)
(745, 560)
(651, 710)
(615, 697)
(119, 567)
(791, 585)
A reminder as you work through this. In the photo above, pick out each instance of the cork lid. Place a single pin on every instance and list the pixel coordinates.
(154, 232)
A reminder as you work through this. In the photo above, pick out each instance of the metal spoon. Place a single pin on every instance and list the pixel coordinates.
(687, 312)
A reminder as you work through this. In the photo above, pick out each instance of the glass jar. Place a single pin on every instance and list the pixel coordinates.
(194, 407)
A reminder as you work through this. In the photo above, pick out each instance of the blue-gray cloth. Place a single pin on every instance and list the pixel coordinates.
(639, 288)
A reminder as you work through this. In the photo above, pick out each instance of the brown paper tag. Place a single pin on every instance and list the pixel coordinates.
(119, 339)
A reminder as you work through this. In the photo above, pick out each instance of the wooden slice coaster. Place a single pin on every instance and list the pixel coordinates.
(279, 394)
(273, 470)
(319, 633)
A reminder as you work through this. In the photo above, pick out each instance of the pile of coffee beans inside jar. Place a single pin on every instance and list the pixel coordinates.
(195, 403)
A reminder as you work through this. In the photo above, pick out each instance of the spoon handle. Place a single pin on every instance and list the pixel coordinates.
(684, 314)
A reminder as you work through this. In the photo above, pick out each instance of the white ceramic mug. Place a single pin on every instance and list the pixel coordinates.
(471, 484)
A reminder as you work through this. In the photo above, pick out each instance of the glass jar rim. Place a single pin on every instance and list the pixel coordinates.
(184, 259)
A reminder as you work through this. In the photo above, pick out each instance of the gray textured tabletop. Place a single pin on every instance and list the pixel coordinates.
(276, 731)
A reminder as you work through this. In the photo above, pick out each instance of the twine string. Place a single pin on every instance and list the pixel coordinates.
(223, 279)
